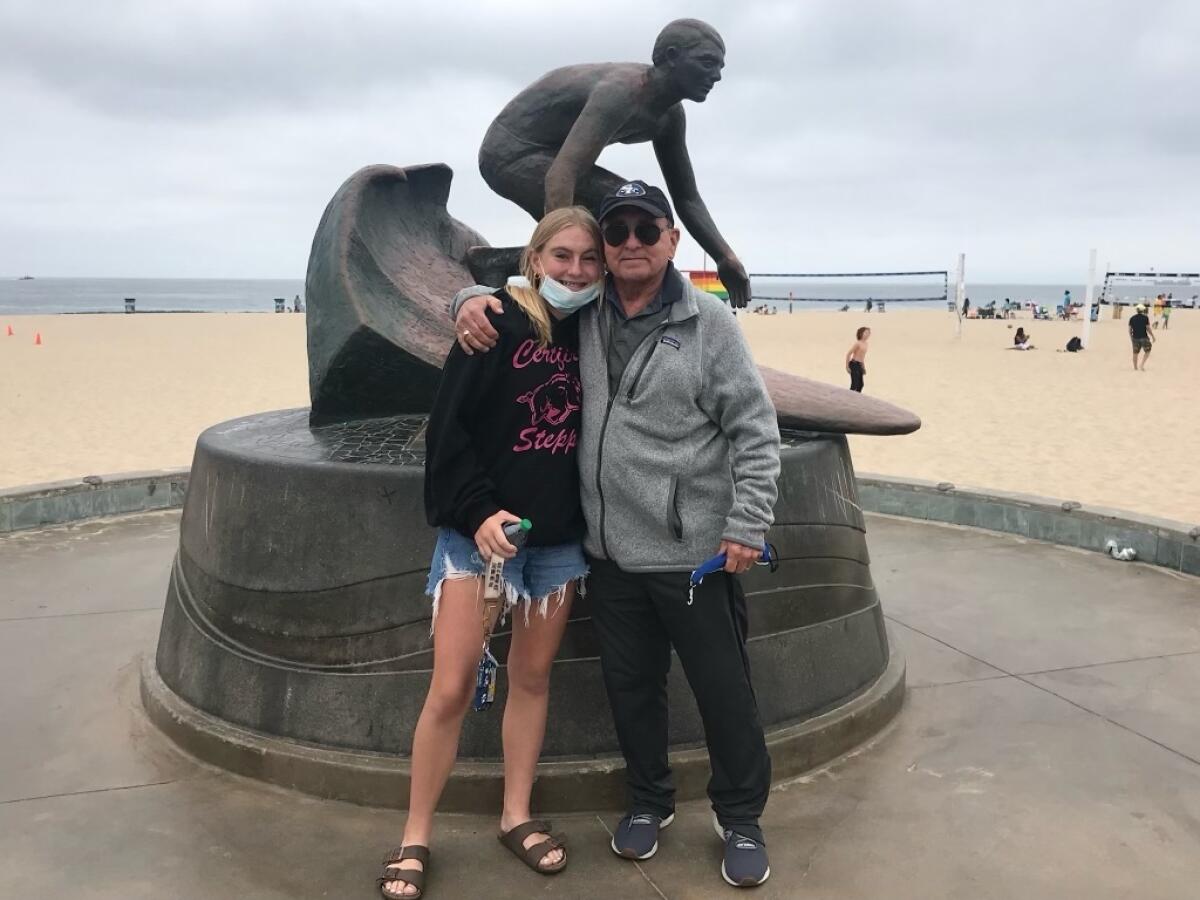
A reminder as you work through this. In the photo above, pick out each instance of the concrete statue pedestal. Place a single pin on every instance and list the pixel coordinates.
(295, 641)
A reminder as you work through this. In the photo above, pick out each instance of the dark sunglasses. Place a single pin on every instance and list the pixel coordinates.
(618, 233)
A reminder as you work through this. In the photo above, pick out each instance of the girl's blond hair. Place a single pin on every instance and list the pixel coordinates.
(528, 298)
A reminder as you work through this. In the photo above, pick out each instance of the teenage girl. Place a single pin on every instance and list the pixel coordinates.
(500, 446)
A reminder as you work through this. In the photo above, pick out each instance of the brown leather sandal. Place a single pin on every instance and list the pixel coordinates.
(514, 840)
(416, 877)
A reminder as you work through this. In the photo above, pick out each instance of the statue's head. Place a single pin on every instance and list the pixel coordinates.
(692, 54)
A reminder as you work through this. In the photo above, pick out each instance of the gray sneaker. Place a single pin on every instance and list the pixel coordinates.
(744, 863)
(636, 836)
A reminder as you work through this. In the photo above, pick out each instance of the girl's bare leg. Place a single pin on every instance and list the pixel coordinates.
(457, 646)
(534, 646)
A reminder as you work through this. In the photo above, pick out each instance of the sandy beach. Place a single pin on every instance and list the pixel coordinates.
(1076, 426)
(113, 393)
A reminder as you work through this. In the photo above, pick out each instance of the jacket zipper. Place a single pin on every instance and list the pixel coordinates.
(604, 429)
(637, 379)
(599, 469)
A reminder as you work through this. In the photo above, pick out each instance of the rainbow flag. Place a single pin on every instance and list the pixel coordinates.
(708, 281)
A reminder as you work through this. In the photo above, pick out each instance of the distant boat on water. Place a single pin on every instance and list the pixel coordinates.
(25, 278)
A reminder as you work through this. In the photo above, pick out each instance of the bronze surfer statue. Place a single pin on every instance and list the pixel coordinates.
(541, 150)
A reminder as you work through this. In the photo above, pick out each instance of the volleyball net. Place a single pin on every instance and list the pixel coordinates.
(923, 286)
(1121, 287)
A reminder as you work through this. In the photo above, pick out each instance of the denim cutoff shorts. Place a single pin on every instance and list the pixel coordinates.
(529, 577)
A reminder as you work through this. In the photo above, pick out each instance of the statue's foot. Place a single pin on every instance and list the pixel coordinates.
(493, 265)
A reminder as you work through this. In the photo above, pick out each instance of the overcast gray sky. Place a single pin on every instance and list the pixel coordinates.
(203, 139)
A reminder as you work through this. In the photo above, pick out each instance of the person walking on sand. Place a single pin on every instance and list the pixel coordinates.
(1141, 335)
(856, 359)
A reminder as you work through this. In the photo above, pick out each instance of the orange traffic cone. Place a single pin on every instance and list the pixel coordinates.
(37, 339)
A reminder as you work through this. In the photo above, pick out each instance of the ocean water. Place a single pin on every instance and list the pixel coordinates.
(924, 292)
(79, 295)
(909, 293)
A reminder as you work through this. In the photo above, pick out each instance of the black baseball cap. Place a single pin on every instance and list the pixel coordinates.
(639, 195)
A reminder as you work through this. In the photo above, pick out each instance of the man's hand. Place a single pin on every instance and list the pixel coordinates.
(733, 275)
(490, 539)
(739, 557)
(472, 328)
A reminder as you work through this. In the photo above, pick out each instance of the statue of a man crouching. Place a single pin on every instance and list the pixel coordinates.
(541, 151)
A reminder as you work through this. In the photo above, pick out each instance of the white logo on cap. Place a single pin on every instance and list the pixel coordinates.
(631, 190)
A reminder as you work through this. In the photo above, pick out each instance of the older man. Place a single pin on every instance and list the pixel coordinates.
(678, 460)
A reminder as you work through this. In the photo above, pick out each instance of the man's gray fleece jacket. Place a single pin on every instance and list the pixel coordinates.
(686, 452)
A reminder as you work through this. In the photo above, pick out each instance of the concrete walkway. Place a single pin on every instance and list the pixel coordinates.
(1049, 748)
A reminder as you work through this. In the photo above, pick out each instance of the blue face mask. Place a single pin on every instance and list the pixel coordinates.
(563, 298)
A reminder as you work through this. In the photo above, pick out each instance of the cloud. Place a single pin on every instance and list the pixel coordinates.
(204, 139)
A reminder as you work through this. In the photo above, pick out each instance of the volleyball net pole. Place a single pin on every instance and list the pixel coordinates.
(1087, 303)
(960, 292)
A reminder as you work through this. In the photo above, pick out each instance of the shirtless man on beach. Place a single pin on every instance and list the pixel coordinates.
(541, 151)
(856, 359)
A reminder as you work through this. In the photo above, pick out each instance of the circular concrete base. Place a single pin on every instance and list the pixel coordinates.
(295, 638)
(296, 606)
(563, 785)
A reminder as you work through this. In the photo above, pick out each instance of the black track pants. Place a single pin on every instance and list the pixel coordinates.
(639, 618)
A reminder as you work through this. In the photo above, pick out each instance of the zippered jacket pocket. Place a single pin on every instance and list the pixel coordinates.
(674, 519)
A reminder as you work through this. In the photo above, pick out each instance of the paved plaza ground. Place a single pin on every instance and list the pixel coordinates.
(1049, 747)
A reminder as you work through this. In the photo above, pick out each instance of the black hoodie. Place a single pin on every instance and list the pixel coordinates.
(504, 429)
